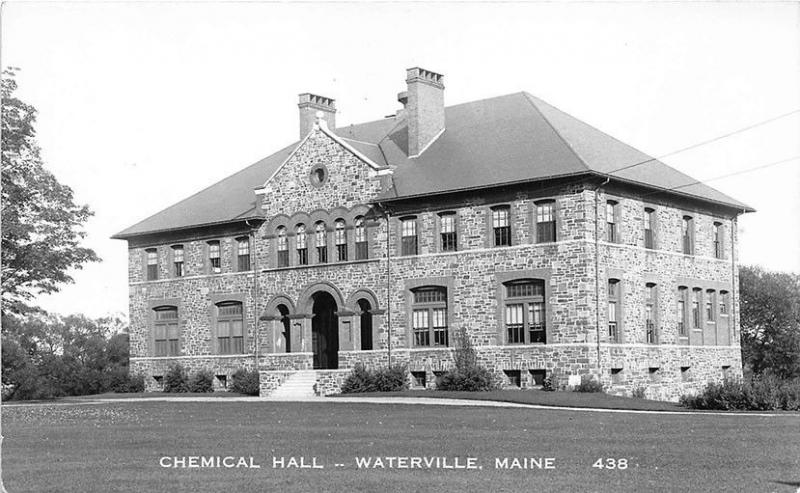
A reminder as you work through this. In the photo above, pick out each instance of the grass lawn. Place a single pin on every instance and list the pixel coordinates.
(539, 397)
(117, 447)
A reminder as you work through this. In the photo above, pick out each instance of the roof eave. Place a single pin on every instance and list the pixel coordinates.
(127, 236)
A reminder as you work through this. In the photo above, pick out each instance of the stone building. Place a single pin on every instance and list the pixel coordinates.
(557, 249)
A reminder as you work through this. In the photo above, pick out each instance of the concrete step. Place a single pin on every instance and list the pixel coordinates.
(299, 385)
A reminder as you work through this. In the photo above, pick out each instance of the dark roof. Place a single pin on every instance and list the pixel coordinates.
(502, 140)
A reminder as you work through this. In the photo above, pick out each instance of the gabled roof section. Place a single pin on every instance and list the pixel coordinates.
(231, 199)
(492, 142)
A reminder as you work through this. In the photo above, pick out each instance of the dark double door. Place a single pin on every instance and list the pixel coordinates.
(325, 332)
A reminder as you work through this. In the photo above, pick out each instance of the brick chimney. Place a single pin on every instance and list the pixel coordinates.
(309, 104)
(424, 108)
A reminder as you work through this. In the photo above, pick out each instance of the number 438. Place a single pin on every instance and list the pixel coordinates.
(609, 463)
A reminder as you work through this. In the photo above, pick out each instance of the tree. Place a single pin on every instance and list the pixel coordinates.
(770, 320)
(41, 224)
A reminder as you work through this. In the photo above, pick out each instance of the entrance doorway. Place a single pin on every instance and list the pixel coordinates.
(325, 332)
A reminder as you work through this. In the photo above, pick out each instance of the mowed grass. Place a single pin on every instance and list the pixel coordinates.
(116, 447)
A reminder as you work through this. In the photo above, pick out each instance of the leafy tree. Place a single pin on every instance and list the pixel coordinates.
(770, 320)
(41, 224)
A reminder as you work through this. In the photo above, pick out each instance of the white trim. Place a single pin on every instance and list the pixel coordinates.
(192, 356)
(201, 276)
(435, 137)
(588, 345)
(323, 126)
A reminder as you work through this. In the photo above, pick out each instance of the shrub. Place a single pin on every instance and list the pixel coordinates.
(361, 379)
(245, 382)
(549, 385)
(202, 381)
(129, 383)
(589, 384)
(468, 375)
(760, 393)
(176, 380)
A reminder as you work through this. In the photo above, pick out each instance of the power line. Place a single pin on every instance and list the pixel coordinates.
(746, 170)
(705, 142)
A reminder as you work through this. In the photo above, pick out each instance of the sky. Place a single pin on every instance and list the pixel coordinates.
(141, 105)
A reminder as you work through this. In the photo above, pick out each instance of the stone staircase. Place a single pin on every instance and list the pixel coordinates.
(299, 385)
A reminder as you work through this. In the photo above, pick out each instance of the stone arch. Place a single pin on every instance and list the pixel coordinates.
(278, 299)
(305, 301)
(368, 294)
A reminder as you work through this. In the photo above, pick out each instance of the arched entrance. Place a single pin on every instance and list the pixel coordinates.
(325, 332)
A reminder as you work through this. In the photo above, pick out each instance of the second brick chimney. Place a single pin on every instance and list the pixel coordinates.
(309, 104)
(424, 108)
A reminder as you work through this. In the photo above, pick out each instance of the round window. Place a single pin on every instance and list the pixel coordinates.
(319, 175)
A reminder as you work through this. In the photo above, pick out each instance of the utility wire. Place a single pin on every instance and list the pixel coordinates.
(705, 142)
(746, 170)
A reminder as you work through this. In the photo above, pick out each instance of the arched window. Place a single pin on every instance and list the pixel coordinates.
(300, 244)
(361, 239)
(525, 311)
(283, 248)
(429, 316)
(340, 238)
(283, 311)
(230, 328)
(366, 324)
(321, 242)
(166, 331)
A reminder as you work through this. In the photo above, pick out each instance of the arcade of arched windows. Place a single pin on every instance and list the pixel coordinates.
(319, 237)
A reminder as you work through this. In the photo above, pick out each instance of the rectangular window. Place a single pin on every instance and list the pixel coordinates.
(718, 252)
(649, 228)
(687, 234)
(361, 239)
(650, 313)
(723, 303)
(545, 222)
(408, 228)
(697, 296)
(429, 316)
(321, 242)
(501, 225)
(213, 256)
(418, 378)
(514, 377)
(613, 310)
(230, 328)
(710, 304)
(525, 312)
(243, 254)
(447, 224)
(152, 264)
(177, 260)
(422, 335)
(611, 222)
(166, 333)
(682, 311)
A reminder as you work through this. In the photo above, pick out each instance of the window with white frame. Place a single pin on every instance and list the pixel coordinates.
(524, 309)
(545, 221)
(408, 236)
(152, 264)
(340, 238)
(283, 247)
(321, 242)
(230, 328)
(361, 238)
(612, 235)
(243, 253)
(649, 228)
(501, 225)
(613, 310)
(447, 231)
(214, 256)
(166, 331)
(650, 299)
(429, 316)
(177, 261)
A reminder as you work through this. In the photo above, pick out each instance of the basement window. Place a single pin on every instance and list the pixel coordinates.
(538, 377)
(617, 376)
(514, 378)
(419, 378)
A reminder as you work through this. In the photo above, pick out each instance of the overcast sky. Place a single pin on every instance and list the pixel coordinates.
(141, 105)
